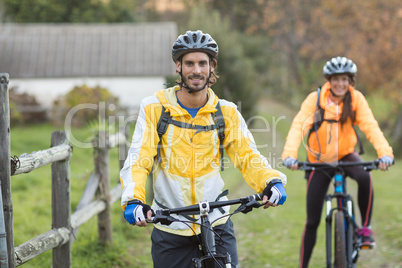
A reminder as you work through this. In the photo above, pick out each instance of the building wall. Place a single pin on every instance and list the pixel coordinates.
(130, 91)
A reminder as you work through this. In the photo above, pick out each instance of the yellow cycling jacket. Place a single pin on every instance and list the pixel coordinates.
(190, 162)
(335, 141)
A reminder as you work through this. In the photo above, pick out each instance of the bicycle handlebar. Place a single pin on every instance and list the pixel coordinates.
(246, 205)
(369, 165)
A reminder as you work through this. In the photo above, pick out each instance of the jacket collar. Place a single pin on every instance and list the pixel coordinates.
(168, 99)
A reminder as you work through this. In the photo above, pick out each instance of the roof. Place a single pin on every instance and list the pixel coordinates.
(87, 50)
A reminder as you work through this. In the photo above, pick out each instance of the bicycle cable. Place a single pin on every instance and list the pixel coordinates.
(198, 238)
(229, 215)
(244, 210)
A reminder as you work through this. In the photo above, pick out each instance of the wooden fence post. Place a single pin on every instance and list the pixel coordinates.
(5, 168)
(3, 236)
(101, 158)
(61, 205)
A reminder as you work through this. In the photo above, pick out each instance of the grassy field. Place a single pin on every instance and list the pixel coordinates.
(266, 238)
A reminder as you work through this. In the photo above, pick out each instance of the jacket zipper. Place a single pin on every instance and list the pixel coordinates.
(192, 171)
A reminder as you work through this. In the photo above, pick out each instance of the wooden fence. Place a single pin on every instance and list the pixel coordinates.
(64, 224)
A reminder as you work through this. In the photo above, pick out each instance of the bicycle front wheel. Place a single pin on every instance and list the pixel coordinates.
(340, 243)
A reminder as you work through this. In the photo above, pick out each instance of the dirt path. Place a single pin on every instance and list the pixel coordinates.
(273, 107)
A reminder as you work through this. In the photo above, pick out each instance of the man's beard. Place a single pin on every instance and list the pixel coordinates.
(195, 88)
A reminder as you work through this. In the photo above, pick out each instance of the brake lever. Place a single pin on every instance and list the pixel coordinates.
(163, 219)
(246, 208)
(372, 166)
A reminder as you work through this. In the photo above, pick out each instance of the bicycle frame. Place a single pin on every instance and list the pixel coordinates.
(348, 239)
(209, 258)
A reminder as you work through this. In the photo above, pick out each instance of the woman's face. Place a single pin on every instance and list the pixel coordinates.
(339, 84)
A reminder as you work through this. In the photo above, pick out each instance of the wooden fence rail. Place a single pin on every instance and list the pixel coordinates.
(64, 224)
(29, 162)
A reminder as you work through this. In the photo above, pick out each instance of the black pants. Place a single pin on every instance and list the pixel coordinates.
(175, 251)
(317, 187)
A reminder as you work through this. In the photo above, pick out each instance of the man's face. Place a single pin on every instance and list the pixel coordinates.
(195, 70)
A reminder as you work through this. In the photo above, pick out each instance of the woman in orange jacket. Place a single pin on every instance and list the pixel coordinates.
(332, 138)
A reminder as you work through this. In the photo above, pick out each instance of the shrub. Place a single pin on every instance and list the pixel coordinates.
(84, 104)
(25, 109)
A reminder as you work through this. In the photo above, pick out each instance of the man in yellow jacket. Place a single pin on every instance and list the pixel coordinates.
(185, 158)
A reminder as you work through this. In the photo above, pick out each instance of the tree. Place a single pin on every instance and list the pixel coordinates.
(308, 33)
(239, 63)
(61, 11)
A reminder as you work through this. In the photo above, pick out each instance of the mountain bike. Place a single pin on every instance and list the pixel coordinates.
(347, 241)
(209, 257)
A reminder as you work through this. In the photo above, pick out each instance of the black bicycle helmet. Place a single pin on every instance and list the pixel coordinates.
(194, 41)
(339, 65)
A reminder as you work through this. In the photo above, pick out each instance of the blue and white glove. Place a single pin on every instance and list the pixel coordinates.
(136, 211)
(276, 192)
(289, 162)
(388, 160)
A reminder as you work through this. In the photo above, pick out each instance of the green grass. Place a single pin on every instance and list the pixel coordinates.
(31, 194)
(266, 238)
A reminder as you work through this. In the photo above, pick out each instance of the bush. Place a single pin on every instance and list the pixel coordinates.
(84, 104)
(25, 109)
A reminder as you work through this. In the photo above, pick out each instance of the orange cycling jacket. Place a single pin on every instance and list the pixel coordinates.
(332, 141)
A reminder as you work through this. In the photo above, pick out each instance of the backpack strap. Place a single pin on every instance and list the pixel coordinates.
(224, 193)
(319, 118)
(220, 123)
(161, 129)
(361, 149)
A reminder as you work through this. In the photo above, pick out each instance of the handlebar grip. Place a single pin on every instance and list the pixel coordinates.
(378, 161)
(304, 166)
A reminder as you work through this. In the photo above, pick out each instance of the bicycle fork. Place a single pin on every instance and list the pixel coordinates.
(351, 248)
